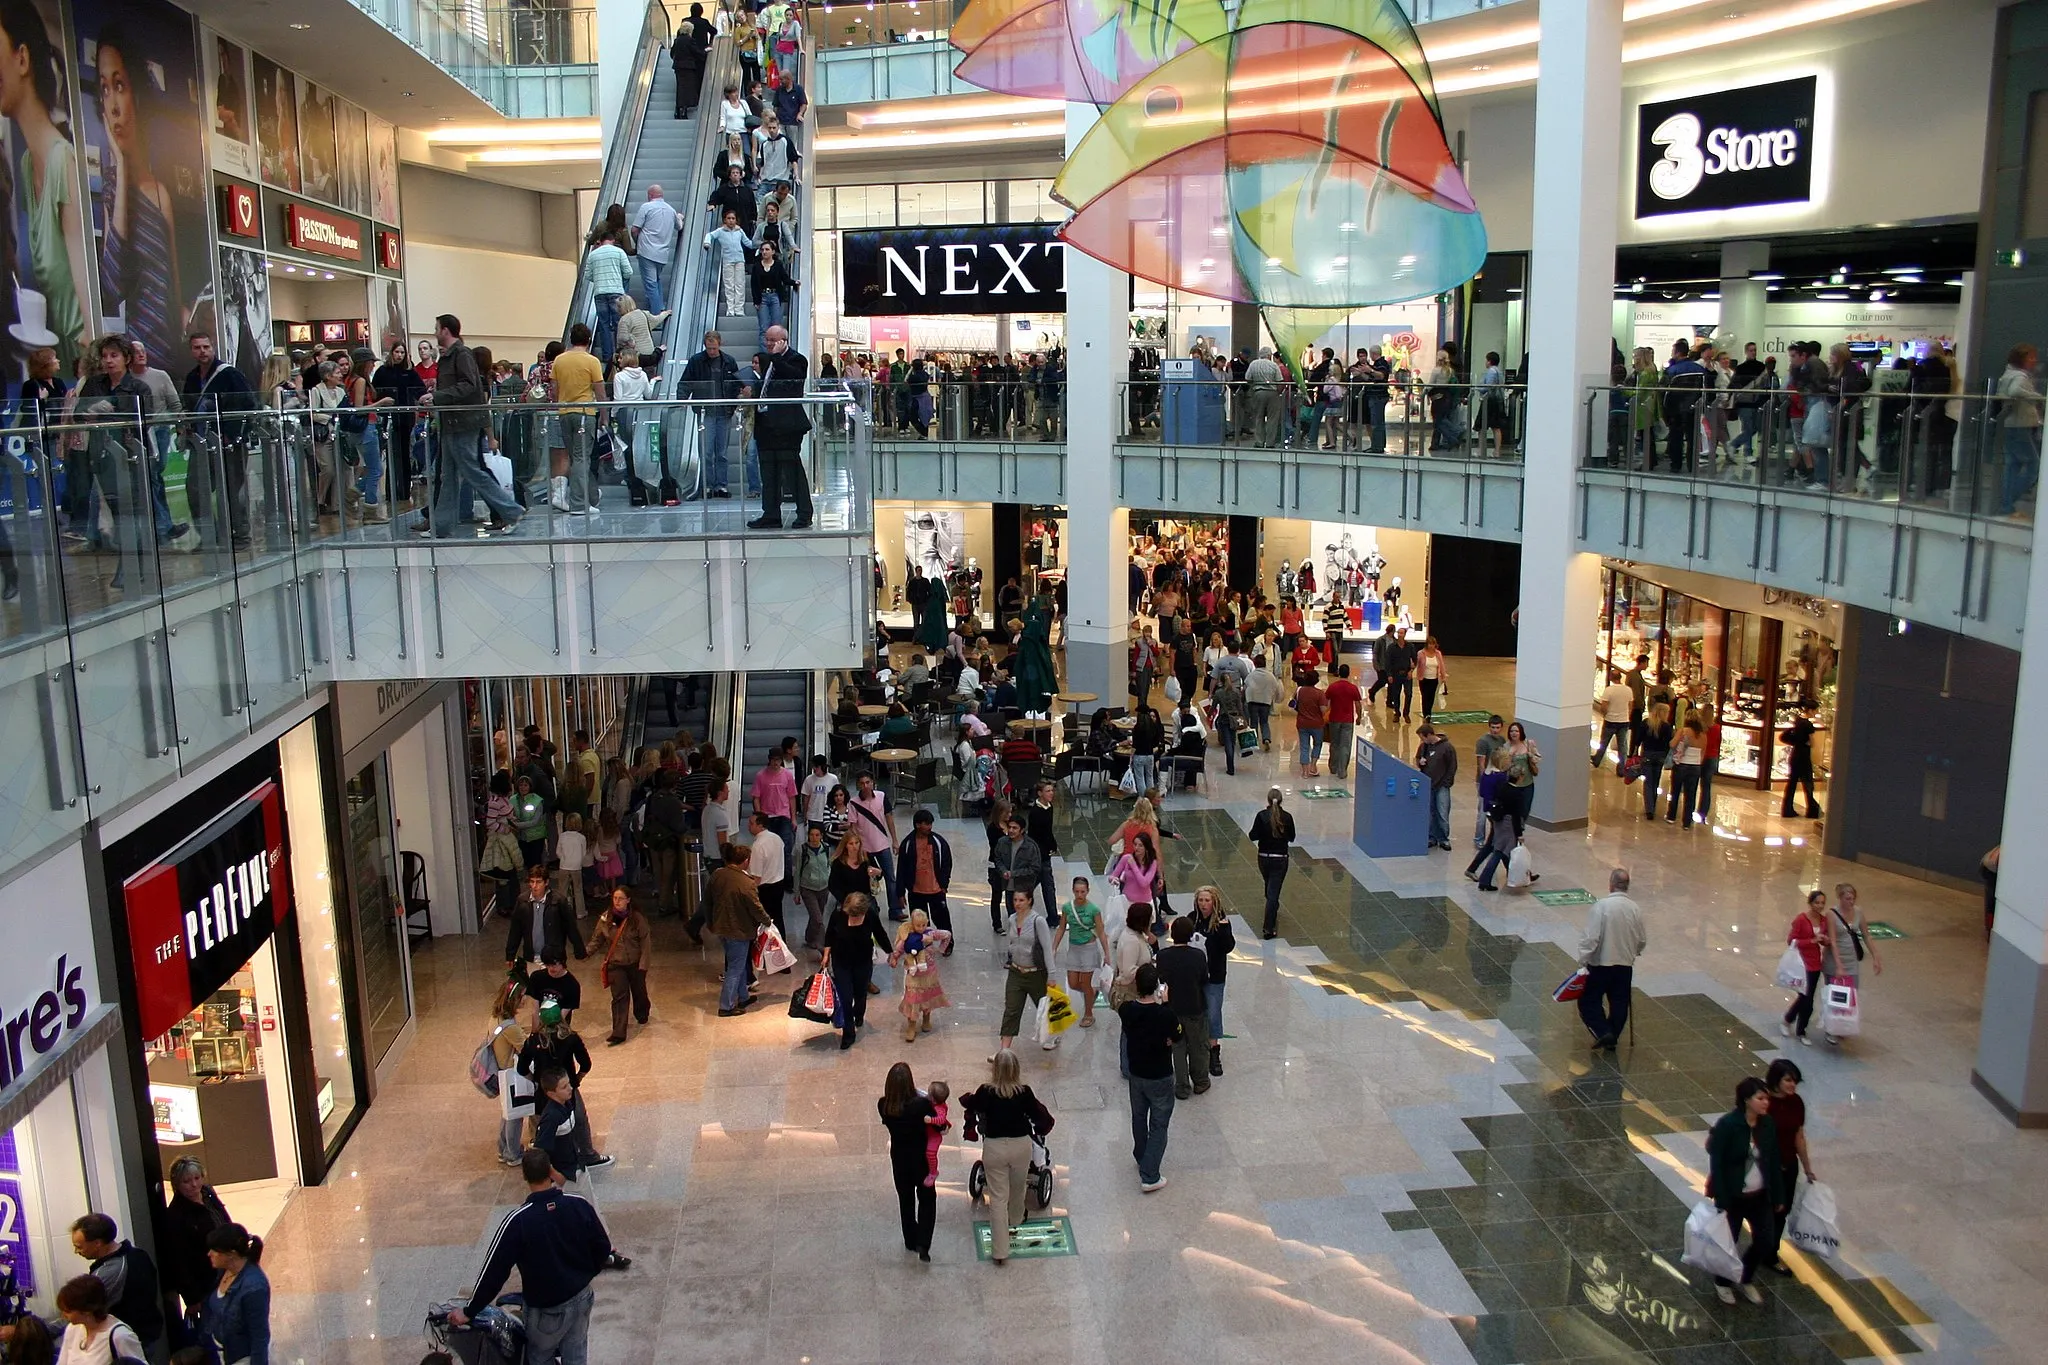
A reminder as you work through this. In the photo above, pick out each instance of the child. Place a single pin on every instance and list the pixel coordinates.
(937, 1123)
(572, 853)
(919, 948)
(554, 1131)
(607, 867)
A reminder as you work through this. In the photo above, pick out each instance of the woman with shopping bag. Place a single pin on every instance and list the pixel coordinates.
(1082, 923)
(851, 937)
(1788, 1115)
(1813, 937)
(1849, 944)
(1028, 955)
(1745, 1182)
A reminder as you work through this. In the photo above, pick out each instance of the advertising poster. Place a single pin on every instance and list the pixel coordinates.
(234, 127)
(243, 328)
(351, 158)
(934, 541)
(139, 76)
(277, 122)
(387, 313)
(383, 171)
(44, 303)
(316, 142)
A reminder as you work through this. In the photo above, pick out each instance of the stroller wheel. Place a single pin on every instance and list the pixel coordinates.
(977, 1182)
(1041, 1186)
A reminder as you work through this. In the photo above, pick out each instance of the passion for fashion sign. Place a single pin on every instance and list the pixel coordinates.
(922, 272)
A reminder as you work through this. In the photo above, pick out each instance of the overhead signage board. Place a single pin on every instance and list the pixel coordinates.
(934, 271)
(1727, 149)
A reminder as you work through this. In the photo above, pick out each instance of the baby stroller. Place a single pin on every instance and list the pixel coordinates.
(1038, 1181)
(493, 1337)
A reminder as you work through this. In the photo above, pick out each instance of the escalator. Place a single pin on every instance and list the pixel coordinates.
(768, 708)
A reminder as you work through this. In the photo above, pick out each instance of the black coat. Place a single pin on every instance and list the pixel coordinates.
(185, 1227)
(559, 931)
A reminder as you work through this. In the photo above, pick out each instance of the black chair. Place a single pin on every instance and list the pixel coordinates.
(419, 920)
(1194, 765)
(1023, 779)
(924, 778)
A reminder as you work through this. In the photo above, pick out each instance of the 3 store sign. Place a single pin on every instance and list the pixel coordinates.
(1728, 149)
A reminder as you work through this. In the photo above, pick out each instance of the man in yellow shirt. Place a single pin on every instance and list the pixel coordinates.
(579, 378)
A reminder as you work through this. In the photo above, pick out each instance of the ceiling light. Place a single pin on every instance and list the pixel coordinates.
(1955, 282)
(1767, 275)
(1770, 289)
(1900, 270)
(302, 26)
(1833, 296)
(581, 130)
(514, 156)
(1907, 279)
(910, 137)
(1877, 296)
(950, 111)
(1710, 296)
(330, 274)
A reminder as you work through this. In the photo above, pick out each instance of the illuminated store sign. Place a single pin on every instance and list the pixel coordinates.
(940, 270)
(1726, 149)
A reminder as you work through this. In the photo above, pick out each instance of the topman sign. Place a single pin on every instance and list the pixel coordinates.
(1019, 268)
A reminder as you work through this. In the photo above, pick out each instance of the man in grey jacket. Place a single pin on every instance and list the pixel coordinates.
(1614, 939)
(459, 473)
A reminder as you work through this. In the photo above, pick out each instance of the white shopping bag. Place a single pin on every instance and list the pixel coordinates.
(500, 467)
(1841, 1010)
(1813, 1227)
(1792, 970)
(775, 954)
(1518, 866)
(1709, 1243)
(1041, 1021)
(516, 1095)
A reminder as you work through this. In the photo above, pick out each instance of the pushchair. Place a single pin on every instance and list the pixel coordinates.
(1038, 1180)
(495, 1336)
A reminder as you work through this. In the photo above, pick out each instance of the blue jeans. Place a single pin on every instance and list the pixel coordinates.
(1262, 719)
(653, 284)
(1311, 745)
(159, 451)
(1617, 731)
(1653, 773)
(717, 427)
(886, 860)
(1494, 858)
(560, 1332)
(371, 480)
(578, 431)
(1212, 991)
(1145, 772)
(1376, 418)
(771, 311)
(604, 335)
(2022, 466)
(1440, 816)
(459, 476)
(1151, 1112)
(732, 992)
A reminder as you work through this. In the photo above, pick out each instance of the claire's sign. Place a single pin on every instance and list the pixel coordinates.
(203, 909)
(894, 272)
(1726, 149)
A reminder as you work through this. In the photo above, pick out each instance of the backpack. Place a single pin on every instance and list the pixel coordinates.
(483, 1066)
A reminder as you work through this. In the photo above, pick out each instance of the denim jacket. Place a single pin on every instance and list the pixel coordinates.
(240, 1319)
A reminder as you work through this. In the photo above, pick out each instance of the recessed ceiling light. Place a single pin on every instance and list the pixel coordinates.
(302, 26)
(1767, 275)
(1833, 296)
(330, 274)
(1482, 66)
(1901, 270)
(1956, 282)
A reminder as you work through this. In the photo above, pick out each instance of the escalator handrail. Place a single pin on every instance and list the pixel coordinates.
(656, 33)
(693, 288)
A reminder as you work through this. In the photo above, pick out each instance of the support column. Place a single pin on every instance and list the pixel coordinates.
(618, 38)
(1098, 529)
(1742, 298)
(1571, 295)
(2012, 1034)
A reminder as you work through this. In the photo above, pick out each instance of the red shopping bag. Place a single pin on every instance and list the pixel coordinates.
(821, 998)
(1571, 988)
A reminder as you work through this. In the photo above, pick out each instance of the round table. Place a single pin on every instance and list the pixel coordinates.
(1075, 698)
(893, 755)
(1125, 722)
(873, 710)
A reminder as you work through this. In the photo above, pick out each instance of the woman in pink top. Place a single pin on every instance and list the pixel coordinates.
(877, 830)
(1138, 872)
(1811, 935)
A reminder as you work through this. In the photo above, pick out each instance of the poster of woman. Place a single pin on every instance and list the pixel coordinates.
(244, 319)
(383, 172)
(316, 142)
(139, 74)
(351, 158)
(387, 312)
(234, 129)
(277, 123)
(44, 301)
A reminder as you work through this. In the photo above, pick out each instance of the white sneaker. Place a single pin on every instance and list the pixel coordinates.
(1724, 1294)
(1160, 1184)
(1805, 1041)
(1752, 1293)
(1784, 1028)
(1050, 1046)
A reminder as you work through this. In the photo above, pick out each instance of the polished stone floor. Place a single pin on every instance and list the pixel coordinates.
(1412, 1155)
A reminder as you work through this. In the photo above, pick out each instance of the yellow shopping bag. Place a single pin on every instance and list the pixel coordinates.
(1060, 1014)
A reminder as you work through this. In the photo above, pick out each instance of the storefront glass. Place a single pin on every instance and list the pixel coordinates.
(376, 909)
(56, 1164)
(306, 819)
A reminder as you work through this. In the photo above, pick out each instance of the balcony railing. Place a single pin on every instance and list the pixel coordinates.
(527, 61)
(1973, 454)
(126, 660)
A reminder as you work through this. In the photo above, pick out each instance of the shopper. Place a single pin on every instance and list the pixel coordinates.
(736, 915)
(1494, 740)
(237, 1314)
(1083, 929)
(2019, 413)
(1311, 714)
(92, 1333)
(558, 1244)
(555, 1047)
(627, 941)
(1151, 1032)
(1617, 704)
(541, 925)
(1710, 761)
(128, 1275)
(1038, 827)
(1138, 874)
(189, 1218)
(1261, 694)
(779, 429)
(1500, 841)
(1004, 1115)
(1608, 950)
(1437, 757)
(460, 402)
(765, 864)
(1847, 946)
(1525, 764)
(515, 1097)
(1745, 1182)
(1272, 831)
(1813, 936)
(1345, 703)
(851, 938)
(813, 883)
(917, 951)
(1016, 862)
(924, 861)
(906, 1113)
(1798, 741)
(1688, 752)
(1184, 971)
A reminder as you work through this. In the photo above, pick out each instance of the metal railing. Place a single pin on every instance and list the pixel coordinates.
(173, 584)
(1969, 453)
(498, 50)
(617, 181)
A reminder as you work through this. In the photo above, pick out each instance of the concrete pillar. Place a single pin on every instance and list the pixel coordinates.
(2012, 1034)
(1571, 312)
(1098, 530)
(1742, 298)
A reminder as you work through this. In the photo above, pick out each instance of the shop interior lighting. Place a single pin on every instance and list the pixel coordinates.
(925, 113)
(1900, 270)
(1833, 296)
(581, 130)
(1955, 283)
(1768, 275)
(521, 156)
(911, 137)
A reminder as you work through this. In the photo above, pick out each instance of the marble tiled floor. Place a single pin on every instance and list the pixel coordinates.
(1412, 1155)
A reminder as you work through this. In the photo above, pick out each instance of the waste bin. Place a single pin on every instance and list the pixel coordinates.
(692, 879)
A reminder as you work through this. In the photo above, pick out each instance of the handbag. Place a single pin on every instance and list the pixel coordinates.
(1813, 1226)
(1571, 988)
(1792, 970)
(1709, 1243)
(1841, 1011)
(1854, 937)
(1631, 768)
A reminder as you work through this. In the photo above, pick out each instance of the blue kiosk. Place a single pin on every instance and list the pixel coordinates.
(1390, 814)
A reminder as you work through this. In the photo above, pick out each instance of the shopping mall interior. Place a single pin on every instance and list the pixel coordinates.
(1263, 483)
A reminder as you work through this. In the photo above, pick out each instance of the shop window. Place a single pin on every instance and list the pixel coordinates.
(2034, 190)
(375, 902)
(864, 206)
(326, 1012)
(1031, 201)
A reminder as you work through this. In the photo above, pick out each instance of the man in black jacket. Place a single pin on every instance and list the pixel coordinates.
(128, 1274)
(558, 1244)
(459, 473)
(540, 926)
(688, 54)
(215, 394)
(736, 198)
(925, 859)
(779, 430)
(712, 374)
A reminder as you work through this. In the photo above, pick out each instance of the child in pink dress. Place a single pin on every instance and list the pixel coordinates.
(936, 1124)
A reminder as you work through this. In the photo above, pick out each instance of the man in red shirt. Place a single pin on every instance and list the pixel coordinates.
(774, 795)
(1344, 704)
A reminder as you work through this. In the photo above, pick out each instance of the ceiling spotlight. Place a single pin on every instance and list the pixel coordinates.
(330, 274)
(1768, 275)
(1833, 297)
(1900, 270)
(302, 26)
(1955, 282)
